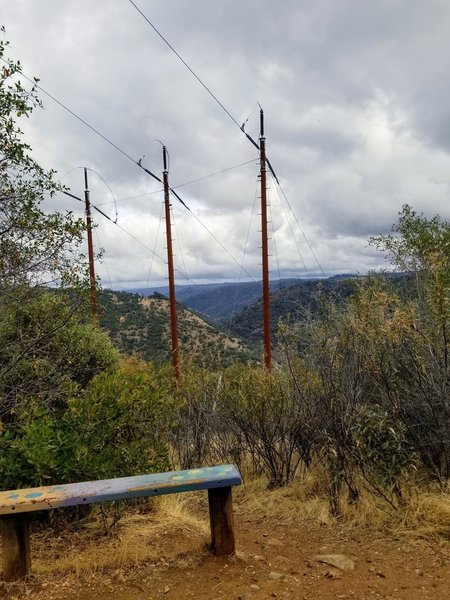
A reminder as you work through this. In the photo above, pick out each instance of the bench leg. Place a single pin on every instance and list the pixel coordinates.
(221, 520)
(15, 531)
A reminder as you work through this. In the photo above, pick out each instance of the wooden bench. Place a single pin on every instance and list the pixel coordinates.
(15, 505)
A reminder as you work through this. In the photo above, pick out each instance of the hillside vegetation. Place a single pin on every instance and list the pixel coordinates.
(140, 326)
(219, 302)
(289, 304)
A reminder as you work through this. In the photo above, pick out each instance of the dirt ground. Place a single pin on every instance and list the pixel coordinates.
(274, 560)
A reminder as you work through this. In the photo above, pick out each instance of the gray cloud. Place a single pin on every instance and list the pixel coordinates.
(355, 96)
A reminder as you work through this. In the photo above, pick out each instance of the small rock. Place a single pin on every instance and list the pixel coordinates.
(166, 590)
(381, 574)
(254, 586)
(418, 572)
(274, 542)
(330, 574)
(340, 561)
(258, 557)
(275, 576)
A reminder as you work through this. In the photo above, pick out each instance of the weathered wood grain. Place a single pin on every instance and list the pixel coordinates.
(123, 488)
(16, 560)
(221, 520)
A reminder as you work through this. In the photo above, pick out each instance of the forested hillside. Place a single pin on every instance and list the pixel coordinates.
(140, 326)
(290, 304)
(218, 301)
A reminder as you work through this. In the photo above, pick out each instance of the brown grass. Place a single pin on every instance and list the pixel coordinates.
(139, 537)
(425, 513)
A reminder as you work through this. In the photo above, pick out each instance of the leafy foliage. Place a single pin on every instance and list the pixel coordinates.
(35, 246)
(116, 427)
(46, 354)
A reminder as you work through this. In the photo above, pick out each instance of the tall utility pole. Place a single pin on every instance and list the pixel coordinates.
(172, 299)
(265, 247)
(90, 251)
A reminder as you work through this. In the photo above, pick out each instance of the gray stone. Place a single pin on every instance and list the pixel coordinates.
(340, 561)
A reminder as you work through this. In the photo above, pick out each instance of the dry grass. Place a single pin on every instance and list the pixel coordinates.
(139, 537)
(425, 514)
(428, 516)
(154, 530)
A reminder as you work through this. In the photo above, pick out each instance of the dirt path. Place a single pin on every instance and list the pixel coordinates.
(274, 561)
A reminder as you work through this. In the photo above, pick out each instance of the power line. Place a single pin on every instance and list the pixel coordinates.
(274, 238)
(96, 131)
(119, 226)
(185, 64)
(216, 173)
(62, 105)
(145, 246)
(294, 237)
(230, 323)
(183, 184)
(302, 231)
(154, 247)
(138, 163)
(203, 84)
(223, 247)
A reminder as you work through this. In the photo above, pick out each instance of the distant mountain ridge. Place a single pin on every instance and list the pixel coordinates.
(218, 301)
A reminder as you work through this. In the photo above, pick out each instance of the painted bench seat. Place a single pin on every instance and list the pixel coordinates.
(14, 504)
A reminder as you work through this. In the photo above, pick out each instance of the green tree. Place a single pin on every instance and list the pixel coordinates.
(37, 248)
(421, 246)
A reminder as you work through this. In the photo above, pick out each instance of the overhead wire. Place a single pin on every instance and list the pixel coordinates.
(102, 258)
(203, 84)
(294, 237)
(139, 162)
(165, 262)
(62, 105)
(101, 179)
(183, 184)
(154, 247)
(221, 245)
(185, 63)
(302, 231)
(233, 310)
(274, 244)
(180, 248)
(34, 82)
(108, 186)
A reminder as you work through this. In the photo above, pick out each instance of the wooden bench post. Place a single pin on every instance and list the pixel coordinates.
(221, 520)
(15, 530)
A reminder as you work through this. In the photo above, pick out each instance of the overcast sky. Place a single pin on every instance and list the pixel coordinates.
(356, 101)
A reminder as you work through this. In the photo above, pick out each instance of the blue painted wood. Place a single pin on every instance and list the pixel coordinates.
(122, 488)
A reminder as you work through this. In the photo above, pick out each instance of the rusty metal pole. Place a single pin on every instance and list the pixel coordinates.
(265, 249)
(172, 298)
(90, 251)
